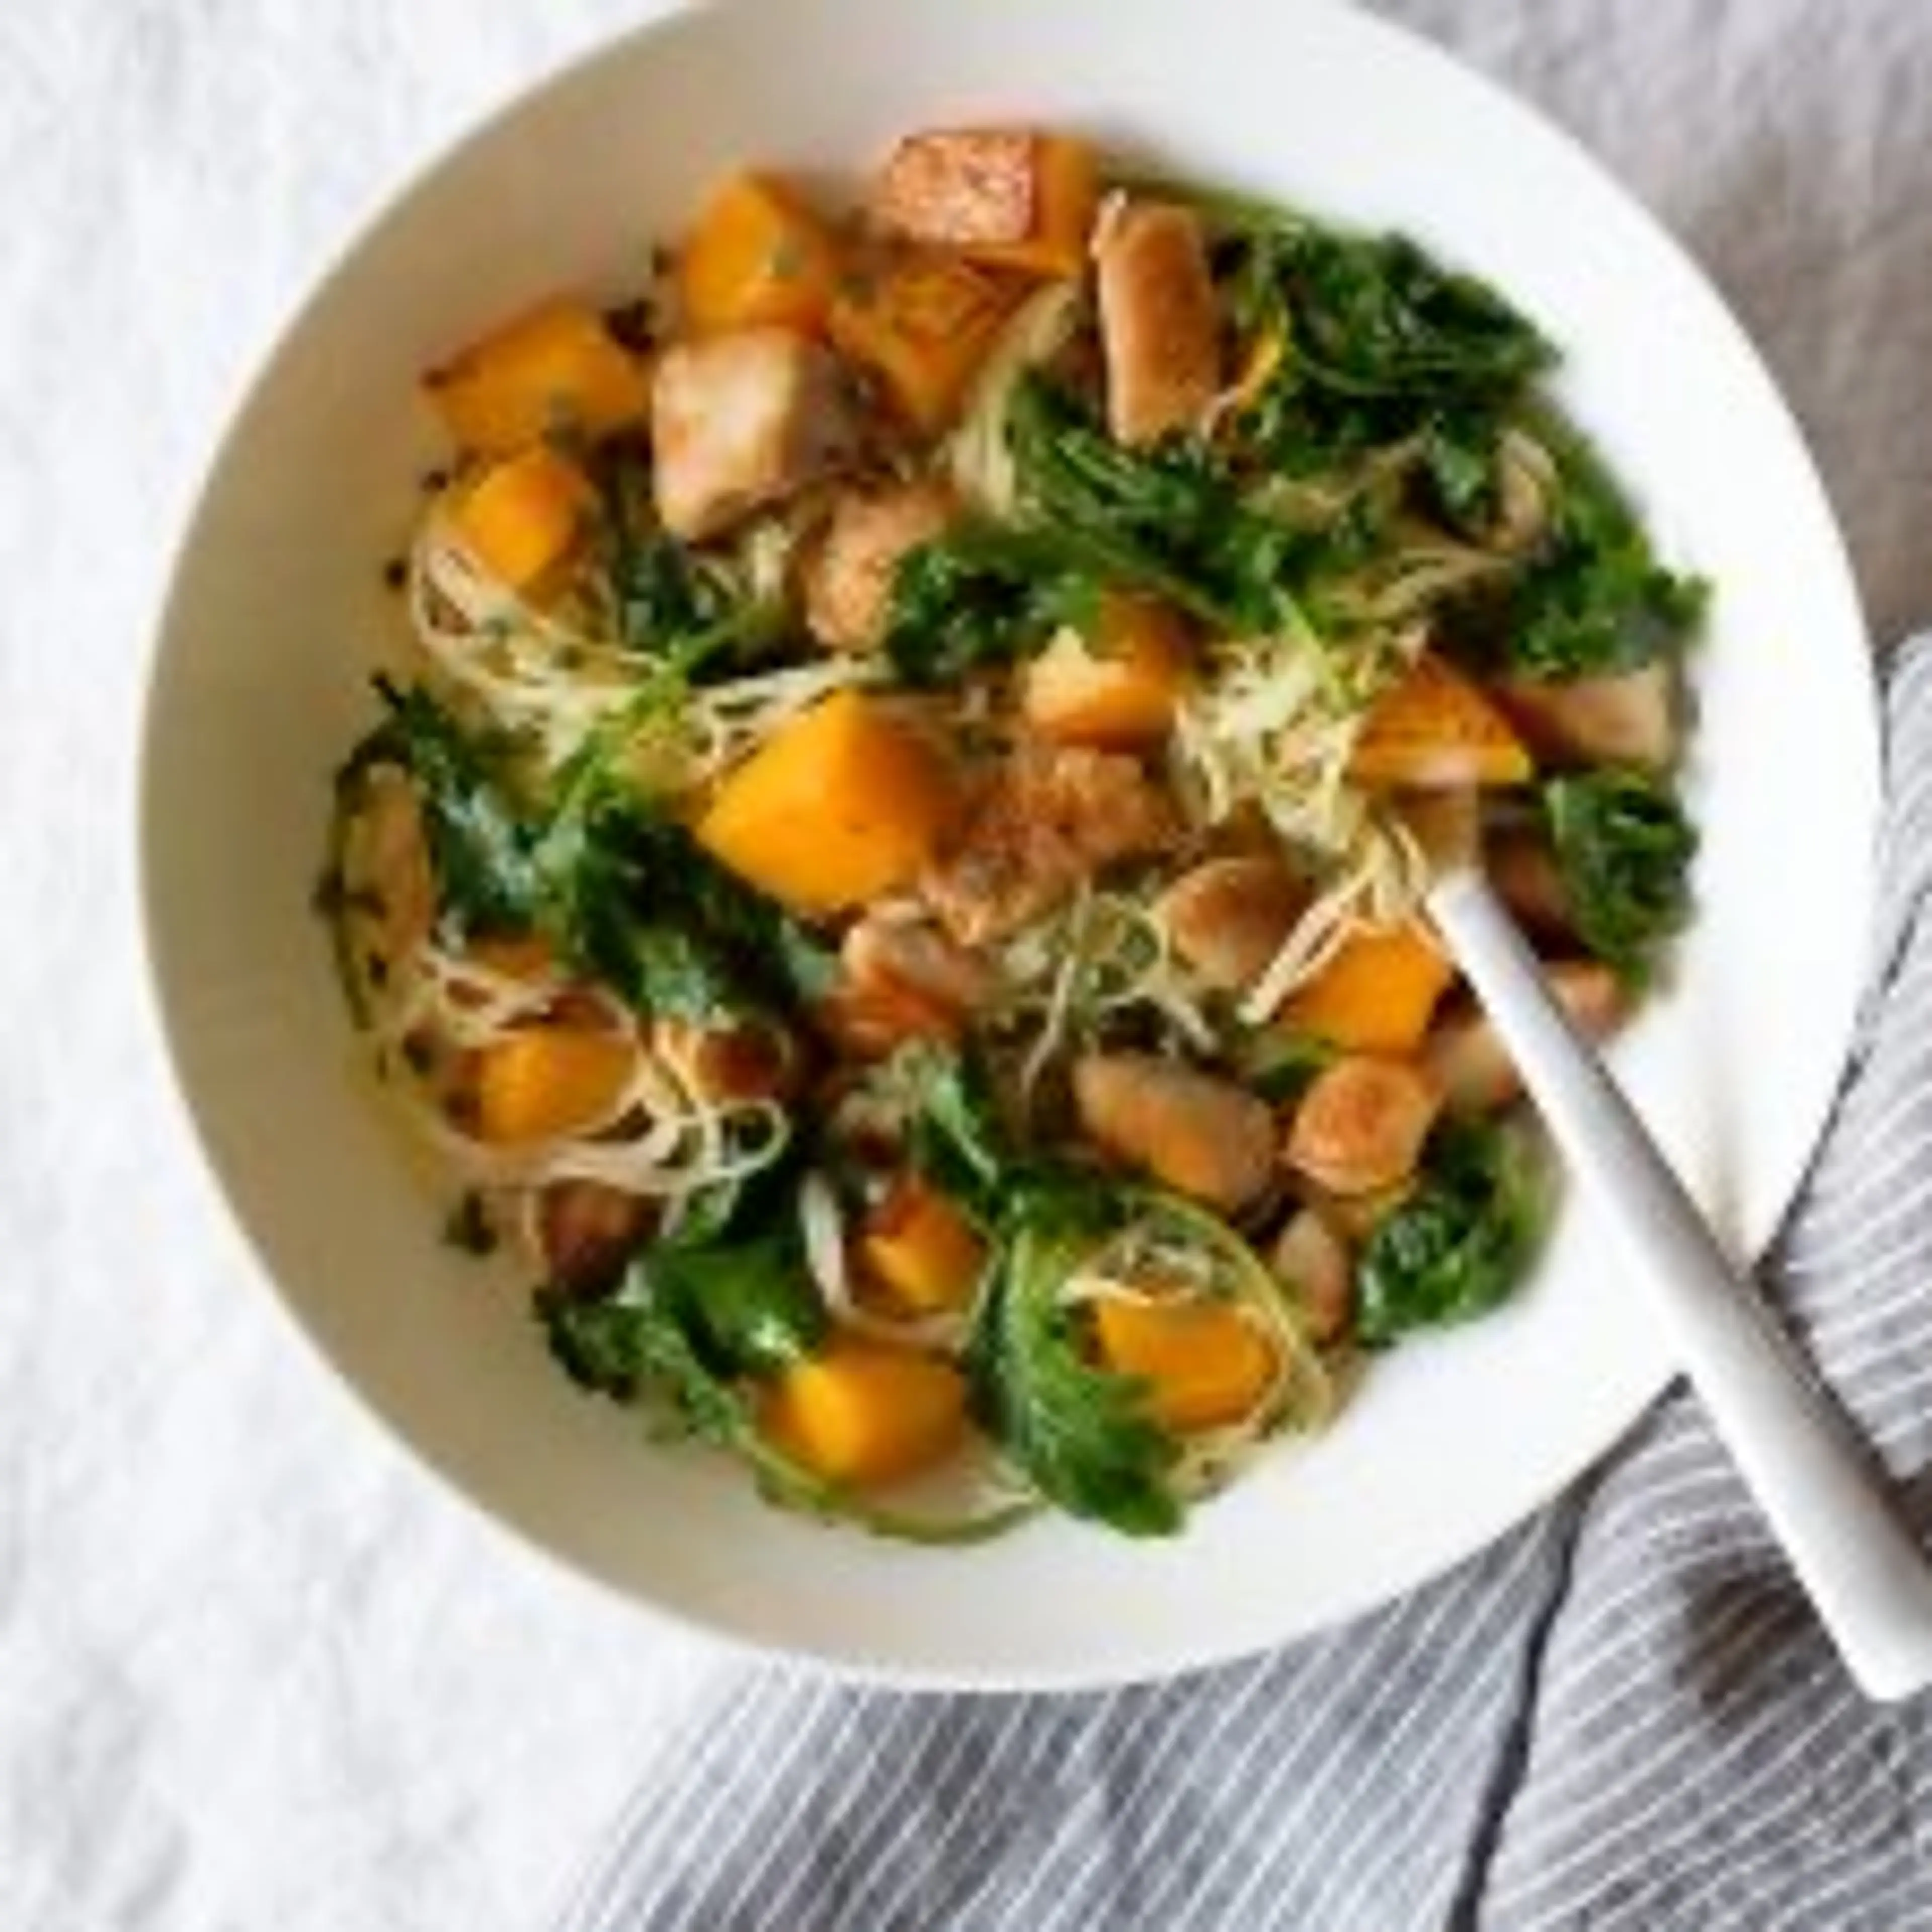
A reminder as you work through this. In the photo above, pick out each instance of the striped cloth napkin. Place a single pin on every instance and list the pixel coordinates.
(1622, 1715)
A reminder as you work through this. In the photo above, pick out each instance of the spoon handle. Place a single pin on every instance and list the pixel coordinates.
(1825, 1498)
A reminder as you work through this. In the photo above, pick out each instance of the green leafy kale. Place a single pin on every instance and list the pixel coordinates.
(669, 603)
(689, 1323)
(1167, 520)
(1082, 1434)
(1376, 315)
(979, 596)
(1381, 344)
(479, 849)
(1623, 847)
(737, 1308)
(632, 899)
(959, 1141)
(1456, 1246)
(1458, 460)
(1595, 599)
(625, 893)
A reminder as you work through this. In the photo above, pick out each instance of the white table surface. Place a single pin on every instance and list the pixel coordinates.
(255, 1671)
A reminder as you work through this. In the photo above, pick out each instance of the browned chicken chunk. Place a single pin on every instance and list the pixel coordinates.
(1527, 878)
(900, 980)
(1311, 1259)
(879, 952)
(1361, 1124)
(1159, 328)
(1227, 918)
(1051, 817)
(1469, 1062)
(1207, 1138)
(959, 187)
(741, 419)
(848, 582)
(751, 1062)
(588, 1232)
(1631, 716)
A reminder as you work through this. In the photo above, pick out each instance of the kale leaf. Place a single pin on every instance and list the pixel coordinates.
(1082, 1434)
(978, 596)
(1595, 599)
(1623, 847)
(1456, 1246)
(669, 603)
(633, 899)
(1377, 315)
(479, 848)
(959, 1141)
(1167, 520)
(689, 1322)
(625, 893)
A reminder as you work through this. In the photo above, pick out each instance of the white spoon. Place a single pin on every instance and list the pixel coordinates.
(1824, 1497)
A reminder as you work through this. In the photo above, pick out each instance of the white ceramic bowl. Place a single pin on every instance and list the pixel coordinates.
(260, 686)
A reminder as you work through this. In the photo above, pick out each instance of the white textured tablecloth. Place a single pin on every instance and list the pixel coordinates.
(254, 1671)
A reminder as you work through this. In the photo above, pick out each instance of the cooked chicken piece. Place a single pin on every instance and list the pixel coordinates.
(909, 954)
(740, 419)
(1527, 878)
(1229, 917)
(1158, 325)
(1052, 817)
(1468, 1061)
(848, 582)
(900, 980)
(959, 186)
(588, 1232)
(729, 1062)
(1207, 1138)
(1361, 1124)
(1311, 1259)
(1631, 716)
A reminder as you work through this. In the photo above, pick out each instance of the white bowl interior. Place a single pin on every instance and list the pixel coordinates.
(261, 685)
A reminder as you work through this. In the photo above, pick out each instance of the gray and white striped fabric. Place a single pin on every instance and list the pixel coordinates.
(1622, 1715)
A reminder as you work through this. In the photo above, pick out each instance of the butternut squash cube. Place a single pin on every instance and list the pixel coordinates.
(1009, 197)
(1377, 995)
(544, 1082)
(1208, 1365)
(523, 516)
(840, 805)
(1116, 692)
(757, 255)
(557, 368)
(860, 1413)
(1434, 728)
(922, 1250)
(922, 322)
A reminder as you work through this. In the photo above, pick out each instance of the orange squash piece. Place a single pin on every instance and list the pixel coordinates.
(543, 1081)
(921, 1250)
(523, 516)
(839, 805)
(1066, 193)
(757, 255)
(1207, 1364)
(861, 1413)
(1116, 692)
(1377, 995)
(922, 322)
(556, 369)
(1433, 728)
